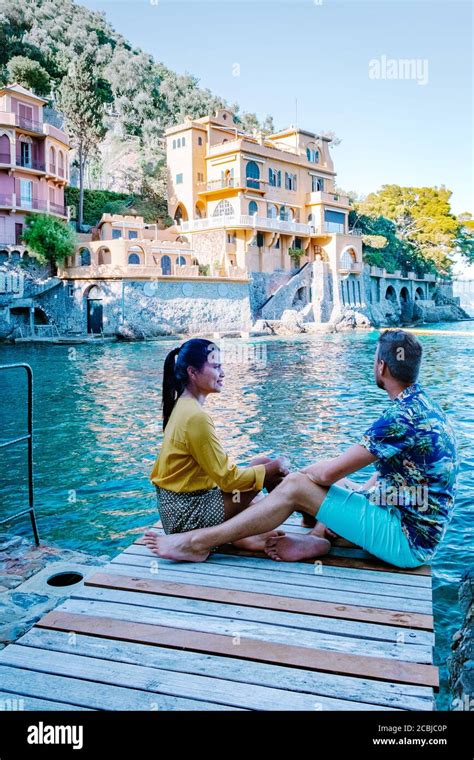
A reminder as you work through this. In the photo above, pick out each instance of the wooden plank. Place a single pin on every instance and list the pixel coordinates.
(11, 701)
(378, 668)
(260, 573)
(90, 694)
(354, 629)
(152, 568)
(268, 601)
(305, 568)
(352, 690)
(249, 629)
(336, 557)
(216, 691)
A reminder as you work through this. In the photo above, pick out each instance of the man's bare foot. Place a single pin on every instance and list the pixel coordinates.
(294, 547)
(256, 543)
(177, 546)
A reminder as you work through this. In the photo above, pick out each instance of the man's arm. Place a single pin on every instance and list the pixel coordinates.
(328, 471)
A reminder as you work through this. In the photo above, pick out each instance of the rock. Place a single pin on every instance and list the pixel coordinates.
(291, 322)
(11, 580)
(261, 327)
(461, 662)
(129, 333)
(11, 543)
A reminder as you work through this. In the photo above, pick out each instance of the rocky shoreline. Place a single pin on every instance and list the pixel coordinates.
(22, 601)
(461, 662)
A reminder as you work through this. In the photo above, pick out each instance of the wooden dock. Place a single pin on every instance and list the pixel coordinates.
(238, 632)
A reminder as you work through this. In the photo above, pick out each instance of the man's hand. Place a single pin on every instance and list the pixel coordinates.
(328, 471)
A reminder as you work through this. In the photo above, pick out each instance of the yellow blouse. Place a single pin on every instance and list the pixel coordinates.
(192, 458)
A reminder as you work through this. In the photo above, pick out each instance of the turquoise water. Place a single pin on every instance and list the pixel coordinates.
(98, 429)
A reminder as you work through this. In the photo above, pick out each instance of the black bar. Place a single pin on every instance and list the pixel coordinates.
(29, 438)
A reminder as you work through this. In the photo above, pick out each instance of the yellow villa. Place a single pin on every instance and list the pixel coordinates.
(258, 201)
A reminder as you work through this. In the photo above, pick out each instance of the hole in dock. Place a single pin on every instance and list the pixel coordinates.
(65, 579)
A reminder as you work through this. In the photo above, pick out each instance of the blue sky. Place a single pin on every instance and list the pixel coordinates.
(393, 130)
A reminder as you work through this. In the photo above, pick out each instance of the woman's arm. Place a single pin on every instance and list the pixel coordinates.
(206, 449)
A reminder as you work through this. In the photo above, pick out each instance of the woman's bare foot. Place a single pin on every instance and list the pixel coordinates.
(257, 543)
(323, 531)
(177, 546)
(295, 547)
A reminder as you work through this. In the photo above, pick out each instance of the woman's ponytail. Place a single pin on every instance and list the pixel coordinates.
(172, 389)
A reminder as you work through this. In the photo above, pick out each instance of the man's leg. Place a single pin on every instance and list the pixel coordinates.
(297, 491)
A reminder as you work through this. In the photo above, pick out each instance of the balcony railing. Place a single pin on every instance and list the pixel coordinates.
(26, 163)
(6, 200)
(245, 220)
(57, 208)
(30, 124)
(5, 158)
(36, 204)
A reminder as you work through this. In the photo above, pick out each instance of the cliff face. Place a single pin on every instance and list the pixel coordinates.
(461, 662)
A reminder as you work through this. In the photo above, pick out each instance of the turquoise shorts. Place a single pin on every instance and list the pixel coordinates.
(377, 529)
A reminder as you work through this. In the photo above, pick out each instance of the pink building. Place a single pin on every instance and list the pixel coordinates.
(34, 166)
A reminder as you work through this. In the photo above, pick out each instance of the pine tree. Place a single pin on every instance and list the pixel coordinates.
(81, 100)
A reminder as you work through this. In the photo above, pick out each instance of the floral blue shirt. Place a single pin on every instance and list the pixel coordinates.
(417, 465)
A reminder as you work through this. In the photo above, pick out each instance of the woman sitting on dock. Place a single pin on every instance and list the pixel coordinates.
(197, 484)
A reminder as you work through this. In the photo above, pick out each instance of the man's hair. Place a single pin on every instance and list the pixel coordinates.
(401, 352)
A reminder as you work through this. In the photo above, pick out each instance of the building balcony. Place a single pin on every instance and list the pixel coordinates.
(57, 209)
(245, 221)
(32, 204)
(135, 271)
(24, 163)
(320, 196)
(12, 201)
(354, 268)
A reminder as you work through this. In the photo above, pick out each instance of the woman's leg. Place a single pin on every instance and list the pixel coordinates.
(236, 503)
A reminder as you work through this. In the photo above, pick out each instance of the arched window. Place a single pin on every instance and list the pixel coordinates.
(272, 211)
(181, 261)
(347, 259)
(61, 163)
(5, 152)
(253, 208)
(284, 214)
(223, 208)
(85, 259)
(133, 258)
(180, 215)
(52, 160)
(104, 256)
(165, 265)
(312, 153)
(253, 175)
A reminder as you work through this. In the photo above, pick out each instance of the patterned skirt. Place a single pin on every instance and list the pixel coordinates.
(181, 512)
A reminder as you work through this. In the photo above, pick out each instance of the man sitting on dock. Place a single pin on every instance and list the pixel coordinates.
(400, 515)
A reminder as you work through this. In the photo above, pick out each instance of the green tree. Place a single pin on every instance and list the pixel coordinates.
(30, 74)
(82, 103)
(423, 219)
(48, 238)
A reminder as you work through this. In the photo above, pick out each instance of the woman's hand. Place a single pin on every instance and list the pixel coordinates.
(275, 471)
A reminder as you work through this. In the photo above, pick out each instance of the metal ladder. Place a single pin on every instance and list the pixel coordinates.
(30, 510)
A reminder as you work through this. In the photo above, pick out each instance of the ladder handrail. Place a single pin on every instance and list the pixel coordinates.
(29, 438)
